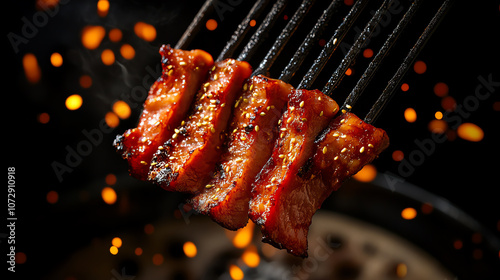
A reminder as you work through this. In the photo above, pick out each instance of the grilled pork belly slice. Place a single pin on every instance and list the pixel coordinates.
(252, 132)
(341, 151)
(307, 114)
(186, 161)
(167, 104)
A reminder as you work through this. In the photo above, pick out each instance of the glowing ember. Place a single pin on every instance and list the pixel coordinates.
(420, 67)
(102, 8)
(31, 68)
(138, 251)
(92, 36)
(74, 102)
(236, 272)
(111, 119)
(145, 31)
(117, 242)
(398, 155)
(252, 23)
(438, 126)
(244, 236)
(211, 24)
(107, 57)
(127, 51)
(366, 174)
(189, 249)
(405, 87)
(113, 250)
(52, 197)
(348, 72)
(409, 213)
(250, 257)
(368, 53)
(441, 89)
(43, 118)
(108, 195)
(158, 259)
(85, 81)
(121, 109)
(470, 132)
(20, 257)
(410, 115)
(115, 35)
(56, 59)
(110, 179)
(401, 270)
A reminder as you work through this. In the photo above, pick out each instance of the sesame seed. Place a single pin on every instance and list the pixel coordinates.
(289, 120)
(174, 136)
(301, 104)
(336, 157)
(182, 63)
(324, 150)
(273, 179)
(348, 106)
(343, 136)
(319, 98)
(216, 76)
(183, 123)
(282, 135)
(208, 186)
(335, 134)
(262, 113)
(304, 119)
(321, 114)
(238, 160)
(283, 129)
(227, 169)
(243, 138)
(256, 128)
(245, 87)
(153, 163)
(223, 105)
(279, 122)
(170, 72)
(370, 146)
(206, 84)
(251, 87)
(176, 130)
(343, 150)
(212, 105)
(362, 149)
(212, 129)
(143, 162)
(343, 111)
(171, 158)
(342, 121)
(292, 108)
(281, 156)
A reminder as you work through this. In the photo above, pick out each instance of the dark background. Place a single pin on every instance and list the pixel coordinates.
(464, 47)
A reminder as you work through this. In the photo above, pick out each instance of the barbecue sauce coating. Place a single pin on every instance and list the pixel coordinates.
(340, 151)
(186, 161)
(308, 113)
(252, 132)
(167, 104)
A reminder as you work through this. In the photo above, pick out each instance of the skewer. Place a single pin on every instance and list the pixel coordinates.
(242, 30)
(379, 57)
(283, 38)
(407, 63)
(195, 25)
(332, 45)
(353, 52)
(309, 41)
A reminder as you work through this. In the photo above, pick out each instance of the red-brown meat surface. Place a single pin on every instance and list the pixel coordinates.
(340, 151)
(187, 160)
(252, 132)
(167, 104)
(307, 114)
